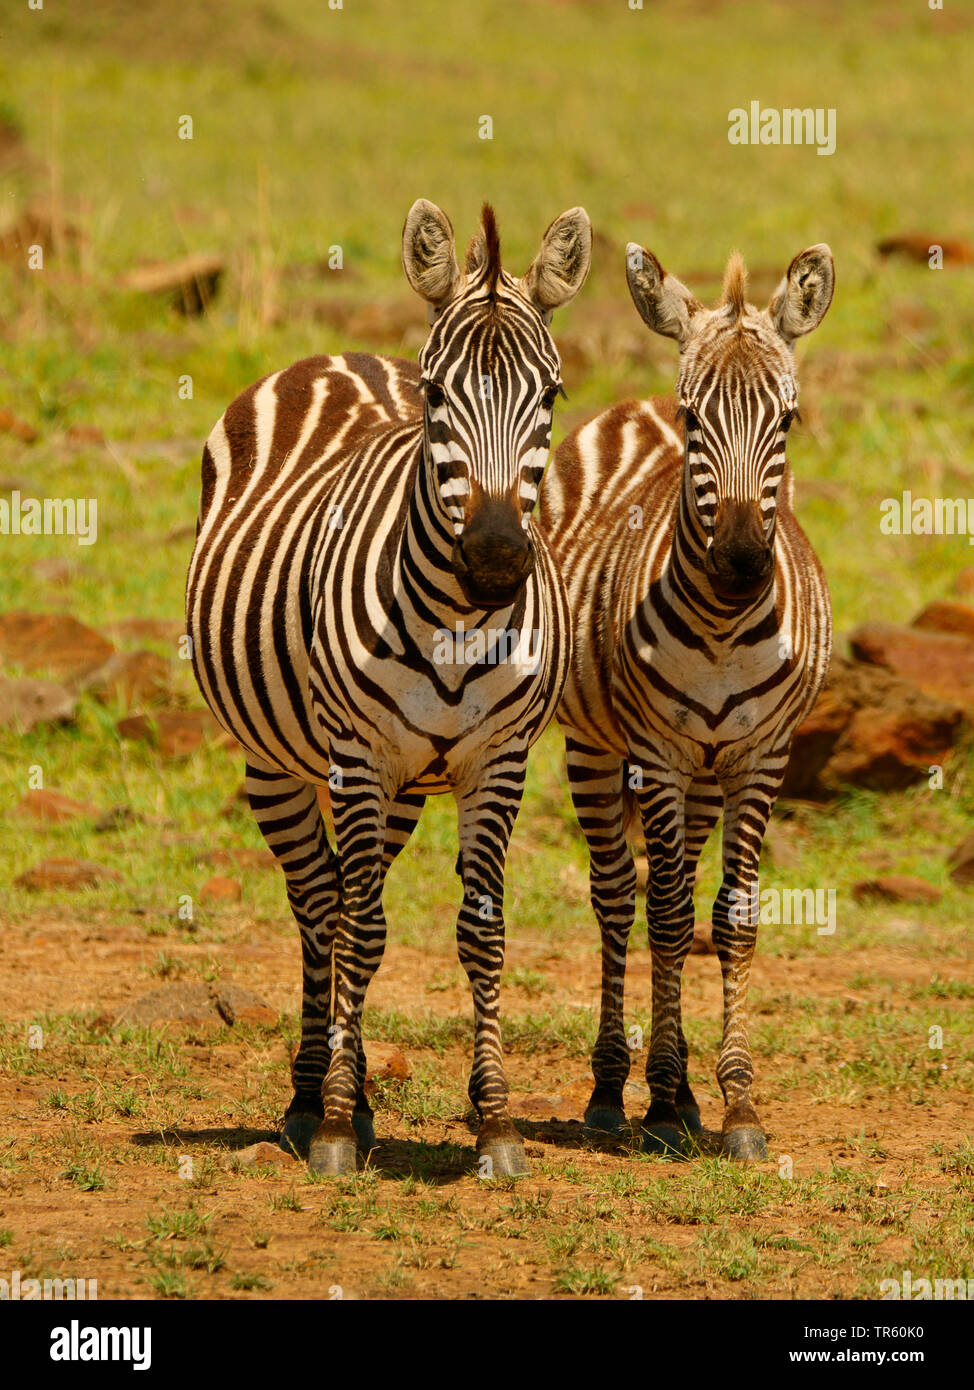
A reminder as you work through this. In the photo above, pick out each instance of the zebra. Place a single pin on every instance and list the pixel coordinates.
(702, 635)
(373, 611)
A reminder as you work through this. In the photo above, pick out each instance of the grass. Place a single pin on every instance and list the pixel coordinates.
(282, 167)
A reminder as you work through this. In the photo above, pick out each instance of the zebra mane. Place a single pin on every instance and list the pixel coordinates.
(735, 284)
(484, 250)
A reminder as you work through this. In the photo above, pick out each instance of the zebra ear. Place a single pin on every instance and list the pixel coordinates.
(428, 256)
(662, 302)
(558, 271)
(800, 302)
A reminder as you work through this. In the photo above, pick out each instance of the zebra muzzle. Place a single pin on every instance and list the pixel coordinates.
(492, 557)
(740, 562)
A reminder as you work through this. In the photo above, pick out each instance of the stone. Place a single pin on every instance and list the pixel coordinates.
(221, 890)
(896, 888)
(65, 874)
(262, 1155)
(238, 1005)
(245, 858)
(941, 664)
(168, 630)
(869, 728)
(133, 677)
(41, 805)
(703, 940)
(176, 733)
(189, 284)
(384, 1062)
(50, 642)
(960, 861)
(947, 615)
(25, 703)
(175, 1003)
(915, 246)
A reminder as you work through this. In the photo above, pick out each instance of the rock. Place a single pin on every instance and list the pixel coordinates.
(872, 729)
(26, 703)
(117, 818)
(168, 630)
(703, 940)
(50, 641)
(896, 888)
(65, 873)
(915, 246)
(189, 284)
(261, 1155)
(53, 807)
(940, 664)
(210, 1005)
(9, 424)
(246, 858)
(947, 615)
(176, 733)
(384, 1062)
(961, 861)
(133, 677)
(964, 583)
(221, 890)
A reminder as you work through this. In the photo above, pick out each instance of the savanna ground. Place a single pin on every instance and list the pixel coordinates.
(319, 129)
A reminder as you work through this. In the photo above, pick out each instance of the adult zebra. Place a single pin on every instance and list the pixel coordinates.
(355, 512)
(702, 632)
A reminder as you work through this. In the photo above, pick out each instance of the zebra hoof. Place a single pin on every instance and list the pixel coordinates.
(664, 1140)
(746, 1143)
(298, 1132)
(502, 1158)
(364, 1130)
(604, 1119)
(331, 1157)
(690, 1118)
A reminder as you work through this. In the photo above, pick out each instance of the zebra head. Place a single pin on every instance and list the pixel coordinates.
(738, 395)
(490, 375)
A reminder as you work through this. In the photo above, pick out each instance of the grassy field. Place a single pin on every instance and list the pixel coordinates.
(317, 130)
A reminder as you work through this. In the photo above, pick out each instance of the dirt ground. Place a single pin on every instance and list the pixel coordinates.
(89, 1190)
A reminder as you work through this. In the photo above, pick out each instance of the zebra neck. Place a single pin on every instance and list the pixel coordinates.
(424, 557)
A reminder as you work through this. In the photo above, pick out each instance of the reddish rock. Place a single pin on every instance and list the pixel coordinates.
(9, 424)
(896, 888)
(964, 583)
(65, 873)
(84, 434)
(221, 890)
(26, 703)
(872, 729)
(246, 858)
(133, 677)
(52, 806)
(940, 664)
(947, 615)
(168, 630)
(915, 246)
(50, 641)
(263, 1155)
(176, 733)
(961, 861)
(384, 1062)
(175, 1003)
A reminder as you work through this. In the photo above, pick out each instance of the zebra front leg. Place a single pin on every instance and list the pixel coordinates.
(486, 819)
(748, 804)
(596, 782)
(669, 911)
(360, 808)
(286, 810)
(702, 809)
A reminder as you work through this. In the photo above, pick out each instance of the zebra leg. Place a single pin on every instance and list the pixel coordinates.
(486, 819)
(286, 810)
(669, 911)
(360, 808)
(596, 782)
(704, 804)
(748, 805)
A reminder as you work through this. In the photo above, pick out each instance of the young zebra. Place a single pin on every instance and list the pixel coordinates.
(702, 632)
(365, 563)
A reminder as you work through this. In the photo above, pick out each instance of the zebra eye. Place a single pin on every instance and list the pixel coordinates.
(787, 419)
(435, 395)
(548, 398)
(690, 419)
